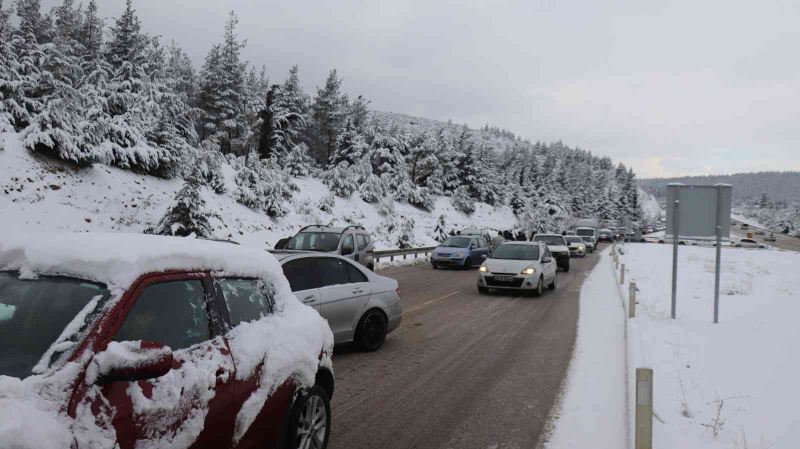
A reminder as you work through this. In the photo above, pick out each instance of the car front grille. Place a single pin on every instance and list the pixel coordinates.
(515, 283)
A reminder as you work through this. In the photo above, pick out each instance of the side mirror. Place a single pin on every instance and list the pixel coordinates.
(131, 361)
(547, 260)
(484, 256)
(472, 246)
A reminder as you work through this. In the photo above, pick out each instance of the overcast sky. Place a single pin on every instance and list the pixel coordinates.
(668, 87)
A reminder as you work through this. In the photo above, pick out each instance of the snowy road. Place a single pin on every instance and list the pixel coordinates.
(463, 370)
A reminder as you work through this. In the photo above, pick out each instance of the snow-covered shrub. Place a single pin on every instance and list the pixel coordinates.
(406, 237)
(341, 180)
(462, 202)
(439, 231)
(298, 162)
(261, 185)
(421, 197)
(386, 207)
(372, 190)
(326, 203)
(189, 215)
(205, 165)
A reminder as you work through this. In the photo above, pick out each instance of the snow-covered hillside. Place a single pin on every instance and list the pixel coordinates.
(39, 193)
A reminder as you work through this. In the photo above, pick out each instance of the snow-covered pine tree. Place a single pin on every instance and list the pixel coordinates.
(189, 215)
(180, 73)
(261, 185)
(341, 180)
(462, 201)
(406, 238)
(222, 89)
(327, 203)
(357, 112)
(9, 74)
(373, 190)
(350, 146)
(440, 229)
(328, 111)
(298, 162)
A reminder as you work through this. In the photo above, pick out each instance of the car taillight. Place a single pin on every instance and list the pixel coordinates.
(397, 290)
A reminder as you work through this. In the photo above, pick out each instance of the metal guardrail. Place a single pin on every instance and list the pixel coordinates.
(405, 252)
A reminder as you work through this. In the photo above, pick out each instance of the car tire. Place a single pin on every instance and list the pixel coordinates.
(304, 424)
(566, 267)
(552, 285)
(435, 267)
(467, 263)
(738, 246)
(539, 287)
(371, 267)
(483, 290)
(371, 330)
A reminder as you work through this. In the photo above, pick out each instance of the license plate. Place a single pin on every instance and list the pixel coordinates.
(504, 278)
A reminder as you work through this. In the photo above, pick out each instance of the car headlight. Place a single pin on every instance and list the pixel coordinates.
(529, 271)
(483, 269)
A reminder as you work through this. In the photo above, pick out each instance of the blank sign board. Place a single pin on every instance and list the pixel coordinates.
(700, 210)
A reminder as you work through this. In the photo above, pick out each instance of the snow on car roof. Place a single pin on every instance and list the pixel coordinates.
(118, 259)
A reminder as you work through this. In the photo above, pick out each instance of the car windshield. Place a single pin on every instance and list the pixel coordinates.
(315, 241)
(36, 313)
(550, 240)
(516, 252)
(571, 239)
(456, 242)
(587, 232)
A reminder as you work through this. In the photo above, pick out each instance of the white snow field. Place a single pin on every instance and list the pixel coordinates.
(43, 194)
(726, 385)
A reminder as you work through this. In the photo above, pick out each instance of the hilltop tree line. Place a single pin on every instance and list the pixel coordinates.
(81, 91)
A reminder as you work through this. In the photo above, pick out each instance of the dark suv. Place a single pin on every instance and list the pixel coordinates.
(352, 242)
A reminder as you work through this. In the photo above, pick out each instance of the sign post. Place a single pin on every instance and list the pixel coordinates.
(698, 212)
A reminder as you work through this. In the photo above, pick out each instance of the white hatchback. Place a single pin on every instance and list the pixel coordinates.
(525, 266)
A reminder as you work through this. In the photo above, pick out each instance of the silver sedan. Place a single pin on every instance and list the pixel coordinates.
(360, 305)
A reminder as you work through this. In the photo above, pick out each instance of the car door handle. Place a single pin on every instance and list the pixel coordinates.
(309, 299)
(358, 290)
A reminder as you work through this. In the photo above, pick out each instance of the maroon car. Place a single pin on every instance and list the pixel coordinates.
(145, 341)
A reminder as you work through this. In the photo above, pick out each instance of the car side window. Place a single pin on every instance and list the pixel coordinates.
(246, 299)
(362, 241)
(331, 271)
(354, 274)
(347, 245)
(171, 313)
(302, 274)
(547, 252)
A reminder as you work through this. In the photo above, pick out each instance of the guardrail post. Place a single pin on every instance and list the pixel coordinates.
(622, 274)
(632, 301)
(391, 258)
(644, 409)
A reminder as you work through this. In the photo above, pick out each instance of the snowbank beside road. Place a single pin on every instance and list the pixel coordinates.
(729, 385)
(592, 411)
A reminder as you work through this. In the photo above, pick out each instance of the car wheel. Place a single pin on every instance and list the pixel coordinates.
(371, 330)
(566, 267)
(371, 267)
(467, 263)
(483, 290)
(552, 285)
(434, 266)
(738, 246)
(539, 287)
(310, 420)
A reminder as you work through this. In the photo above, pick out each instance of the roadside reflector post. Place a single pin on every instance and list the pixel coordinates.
(632, 300)
(622, 275)
(391, 258)
(644, 409)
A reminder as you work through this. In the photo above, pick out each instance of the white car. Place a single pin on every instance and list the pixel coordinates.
(525, 266)
(558, 248)
(748, 243)
(591, 243)
(577, 247)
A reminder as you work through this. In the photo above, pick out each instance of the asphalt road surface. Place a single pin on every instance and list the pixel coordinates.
(463, 370)
(781, 241)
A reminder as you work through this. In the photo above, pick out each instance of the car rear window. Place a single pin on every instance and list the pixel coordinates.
(315, 241)
(247, 299)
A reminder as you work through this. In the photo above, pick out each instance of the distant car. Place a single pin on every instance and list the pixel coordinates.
(670, 240)
(748, 243)
(460, 251)
(590, 242)
(605, 235)
(770, 237)
(126, 340)
(558, 248)
(577, 247)
(760, 232)
(360, 306)
(353, 242)
(745, 226)
(526, 266)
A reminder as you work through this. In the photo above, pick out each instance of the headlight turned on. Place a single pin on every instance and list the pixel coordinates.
(529, 270)
(483, 269)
